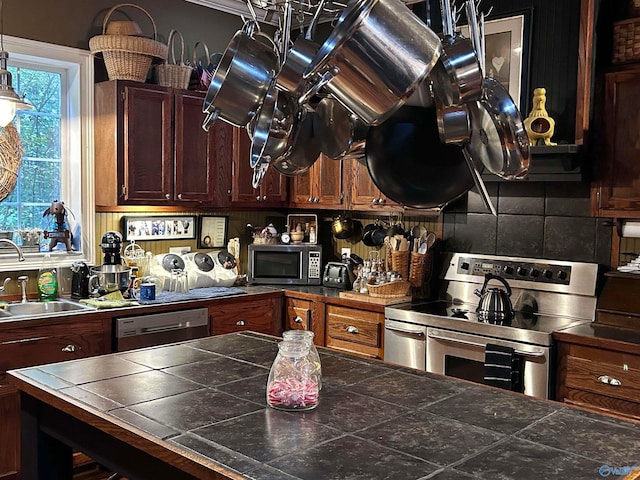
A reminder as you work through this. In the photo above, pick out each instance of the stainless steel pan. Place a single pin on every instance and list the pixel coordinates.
(375, 57)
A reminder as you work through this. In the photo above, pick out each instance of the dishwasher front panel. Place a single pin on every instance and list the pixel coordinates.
(160, 328)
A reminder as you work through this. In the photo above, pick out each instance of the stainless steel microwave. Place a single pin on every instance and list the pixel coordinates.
(275, 264)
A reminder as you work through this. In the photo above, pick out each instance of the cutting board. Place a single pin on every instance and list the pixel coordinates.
(360, 297)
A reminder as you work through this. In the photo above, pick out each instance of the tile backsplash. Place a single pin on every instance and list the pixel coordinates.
(541, 220)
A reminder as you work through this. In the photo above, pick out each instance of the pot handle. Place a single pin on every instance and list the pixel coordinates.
(210, 119)
(324, 79)
(490, 276)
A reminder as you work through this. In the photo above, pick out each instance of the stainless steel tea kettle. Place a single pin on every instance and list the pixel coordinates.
(495, 303)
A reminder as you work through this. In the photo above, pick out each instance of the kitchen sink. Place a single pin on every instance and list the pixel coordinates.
(40, 308)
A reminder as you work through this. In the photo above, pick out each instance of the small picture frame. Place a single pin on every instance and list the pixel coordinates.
(212, 231)
(159, 228)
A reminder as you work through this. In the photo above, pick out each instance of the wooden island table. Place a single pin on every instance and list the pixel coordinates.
(197, 410)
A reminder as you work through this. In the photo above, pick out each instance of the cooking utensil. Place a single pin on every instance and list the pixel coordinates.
(275, 124)
(303, 149)
(335, 127)
(409, 164)
(227, 260)
(171, 261)
(498, 137)
(457, 76)
(495, 303)
(203, 261)
(375, 57)
(108, 278)
(342, 227)
(290, 77)
(242, 78)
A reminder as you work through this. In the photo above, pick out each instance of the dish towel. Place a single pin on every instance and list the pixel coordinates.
(502, 368)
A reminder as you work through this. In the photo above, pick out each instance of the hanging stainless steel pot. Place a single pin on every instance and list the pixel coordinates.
(290, 78)
(498, 137)
(337, 129)
(495, 303)
(457, 75)
(304, 148)
(273, 126)
(374, 59)
(242, 78)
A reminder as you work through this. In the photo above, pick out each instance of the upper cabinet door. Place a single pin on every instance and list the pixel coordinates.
(320, 186)
(147, 139)
(364, 193)
(197, 152)
(618, 183)
(272, 191)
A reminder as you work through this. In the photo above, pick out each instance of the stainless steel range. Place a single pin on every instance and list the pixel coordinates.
(447, 336)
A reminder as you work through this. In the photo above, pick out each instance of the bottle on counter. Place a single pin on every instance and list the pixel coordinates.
(293, 383)
(47, 280)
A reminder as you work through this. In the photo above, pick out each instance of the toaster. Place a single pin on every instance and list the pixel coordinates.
(337, 275)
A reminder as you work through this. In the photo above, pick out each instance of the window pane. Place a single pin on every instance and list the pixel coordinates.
(39, 181)
(40, 88)
(40, 135)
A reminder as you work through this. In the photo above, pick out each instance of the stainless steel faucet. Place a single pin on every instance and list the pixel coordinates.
(22, 280)
(15, 246)
(4, 285)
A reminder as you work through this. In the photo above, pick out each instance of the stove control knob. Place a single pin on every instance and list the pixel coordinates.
(535, 272)
(522, 271)
(508, 269)
(547, 273)
(562, 275)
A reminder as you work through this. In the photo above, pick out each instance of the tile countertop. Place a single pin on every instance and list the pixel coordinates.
(201, 406)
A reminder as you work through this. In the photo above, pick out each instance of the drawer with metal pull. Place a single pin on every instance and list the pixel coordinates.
(354, 330)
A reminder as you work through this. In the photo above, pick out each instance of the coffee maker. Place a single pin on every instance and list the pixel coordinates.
(79, 280)
(111, 246)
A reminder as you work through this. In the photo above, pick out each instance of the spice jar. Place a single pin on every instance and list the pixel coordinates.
(293, 382)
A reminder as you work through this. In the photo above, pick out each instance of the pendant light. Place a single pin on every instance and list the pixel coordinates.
(10, 101)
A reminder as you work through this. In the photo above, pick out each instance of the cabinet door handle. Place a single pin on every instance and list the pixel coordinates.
(352, 329)
(167, 196)
(240, 323)
(606, 379)
(310, 200)
(298, 319)
(70, 348)
(264, 197)
(179, 196)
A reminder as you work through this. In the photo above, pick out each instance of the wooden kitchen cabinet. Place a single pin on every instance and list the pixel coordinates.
(308, 315)
(318, 187)
(364, 195)
(355, 331)
(616, 190)
(150, 148)
(602, 378)
(36, 344)
(272, 191)
(237, 314)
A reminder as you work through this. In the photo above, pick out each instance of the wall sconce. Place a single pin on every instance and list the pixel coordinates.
(10, 101)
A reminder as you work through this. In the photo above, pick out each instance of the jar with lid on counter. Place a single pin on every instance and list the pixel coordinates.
(294, 378)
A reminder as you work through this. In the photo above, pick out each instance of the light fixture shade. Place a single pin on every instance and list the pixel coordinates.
(10, 101)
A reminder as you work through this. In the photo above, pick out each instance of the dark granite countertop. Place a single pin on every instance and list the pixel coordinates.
(206, 399)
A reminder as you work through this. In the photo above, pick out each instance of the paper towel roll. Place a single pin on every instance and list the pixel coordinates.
(631, 229)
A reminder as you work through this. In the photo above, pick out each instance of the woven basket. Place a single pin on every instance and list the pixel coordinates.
(127, 57)
(174, 74)
(396, 289)
(11, 152)
(417, 265)
(626, 41)
(201, 74)
(400, 262)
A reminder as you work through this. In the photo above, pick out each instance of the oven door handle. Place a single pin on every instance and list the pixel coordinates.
(480, 345)
(415, 333)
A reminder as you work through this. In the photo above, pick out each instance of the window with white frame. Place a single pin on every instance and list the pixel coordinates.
(57, 136)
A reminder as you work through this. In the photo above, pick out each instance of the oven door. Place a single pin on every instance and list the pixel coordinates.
(462, 355)
(405, 344)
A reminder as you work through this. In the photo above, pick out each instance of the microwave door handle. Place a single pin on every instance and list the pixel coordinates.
(480, 345)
